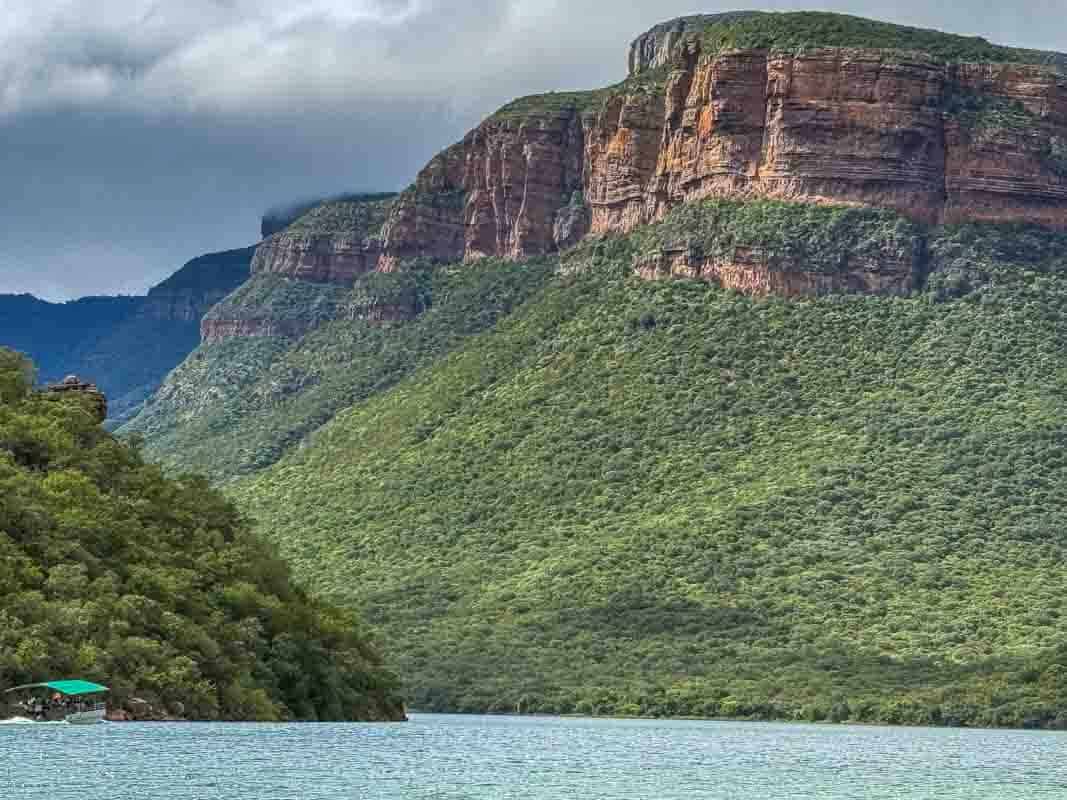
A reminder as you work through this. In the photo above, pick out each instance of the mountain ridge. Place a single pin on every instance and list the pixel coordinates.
(801, 107)
(128, 344)
(730, 390)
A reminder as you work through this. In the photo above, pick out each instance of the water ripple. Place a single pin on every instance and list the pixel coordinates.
(442, 757)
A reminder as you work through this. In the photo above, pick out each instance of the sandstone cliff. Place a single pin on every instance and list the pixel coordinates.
(926, 132)
(334, 242)
(815, 109)
(298, 275)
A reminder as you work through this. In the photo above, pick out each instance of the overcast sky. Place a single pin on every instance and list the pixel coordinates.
(137, 134)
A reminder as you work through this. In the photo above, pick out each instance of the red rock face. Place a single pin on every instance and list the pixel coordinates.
(838, 126)
(1015, 171)
(755, 273)
(334, 242)
(496, 193)
(622, 150)
(322, 259)
(828, 126)
(427, 220)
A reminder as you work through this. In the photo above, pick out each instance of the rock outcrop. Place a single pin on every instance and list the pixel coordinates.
(323, 259)
(334, 242)
(299, 274)
(936, 140)
(496, 193)
(72, 388)
(756, 272)
(836, 126)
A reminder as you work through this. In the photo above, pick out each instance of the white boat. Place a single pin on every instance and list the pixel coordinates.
(63, 701)
(98, 713)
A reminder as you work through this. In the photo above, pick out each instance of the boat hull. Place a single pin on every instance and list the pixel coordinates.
(87, 717)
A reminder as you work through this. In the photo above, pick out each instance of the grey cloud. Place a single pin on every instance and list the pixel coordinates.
(135, 134)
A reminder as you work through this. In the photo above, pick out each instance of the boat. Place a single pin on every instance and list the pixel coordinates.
(74, 701)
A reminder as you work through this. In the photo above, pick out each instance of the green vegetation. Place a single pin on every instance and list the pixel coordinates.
(279, 218)
(550, 104)
(795, 31)
(559, 104)
(238, 406)
(986, 116)
(156, 587)
(823, 238)
(409, 290)
(359, 216)
(215, 374)
(280, 299)
(667, 499)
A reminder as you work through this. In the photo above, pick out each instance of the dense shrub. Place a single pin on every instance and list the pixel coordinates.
(156, 587)
(663, 498)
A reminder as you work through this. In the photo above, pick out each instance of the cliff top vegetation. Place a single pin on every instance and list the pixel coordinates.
(328, 212)
(794, 31)
(784, 31)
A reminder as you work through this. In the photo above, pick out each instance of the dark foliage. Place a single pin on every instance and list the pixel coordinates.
(666, 499)
(111, 572)
(277, 219)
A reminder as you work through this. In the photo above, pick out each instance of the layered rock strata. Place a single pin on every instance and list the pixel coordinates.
(939, 142)
(757, 272)
(837, 126)
(298, 275)
(334, 242)
(499, 192)
(320, 258)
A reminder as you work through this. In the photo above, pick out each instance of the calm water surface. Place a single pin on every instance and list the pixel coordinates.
(441, 756)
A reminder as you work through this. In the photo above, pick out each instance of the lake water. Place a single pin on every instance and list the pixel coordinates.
(443, 756)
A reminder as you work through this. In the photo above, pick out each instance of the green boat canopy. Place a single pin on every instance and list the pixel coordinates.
(69, 688)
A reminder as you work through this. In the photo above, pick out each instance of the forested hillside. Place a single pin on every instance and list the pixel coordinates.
(156, 587)
(667, 498)
(238, 405)
(733, 389)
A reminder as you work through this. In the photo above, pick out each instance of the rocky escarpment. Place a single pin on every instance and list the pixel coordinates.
(190, 292)
(499, 192)
(763, 247)
(272, 305)
(299, 274)
(749, 105)
(334, 242)
(939, 143)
